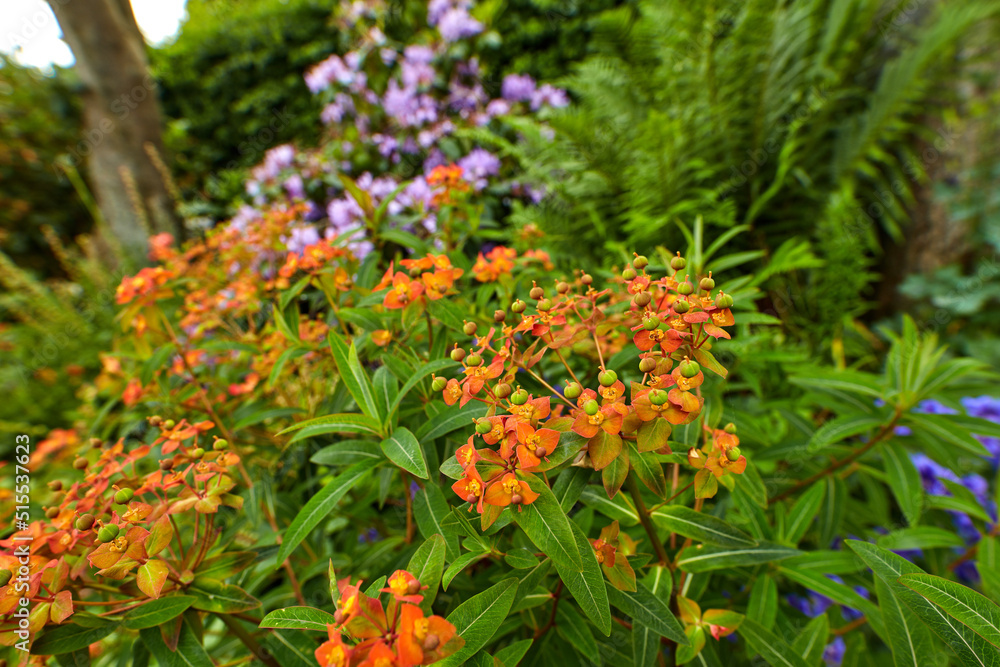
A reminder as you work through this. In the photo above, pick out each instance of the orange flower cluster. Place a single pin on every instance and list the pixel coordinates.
(673, 323)
(429, 278)
(448, 184)
(498, 262)
(397, 636)
(145, 285)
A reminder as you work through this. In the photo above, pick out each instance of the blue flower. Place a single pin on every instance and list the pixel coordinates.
(833, 655)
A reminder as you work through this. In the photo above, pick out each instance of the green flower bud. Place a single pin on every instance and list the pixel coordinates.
(587, 279)
(474, 360)
(591, 407)
(658, 397)
(707, 284)
(169, 424)
(198, 453)
(642, 299)
(640, 262)
(483, 426)
(573, 390)
(647, 365)
(123, 496)
(457, 354)
(107, 533)
(629, 273)
(723, 300)
(52, 512)
(81, 463)
(733, 454)
(536, 293)
(689, 368)
(503, 390)
(650, 322)
(220, 444)
(438, 384)
(677, 263)
(544, 305)
(518, 306)
(85, 522)
(55, 485)
(681, 306)
(685, 288)
(469, 328)
(562, 287)
(607, 378)
(519, 397)
(730, 428)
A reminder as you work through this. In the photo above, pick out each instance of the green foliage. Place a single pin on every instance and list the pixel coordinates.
(796, 119)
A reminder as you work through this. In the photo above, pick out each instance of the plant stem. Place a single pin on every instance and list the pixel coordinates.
(640, 506)
(248, 641)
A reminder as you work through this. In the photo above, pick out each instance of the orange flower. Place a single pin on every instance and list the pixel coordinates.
(668, 340)
(424, 641)
(509, 490)
(470, 488)
(403, 292)
(534, 445)
(404, 587)
(381, 337)
(334, 653)
(380, 655)
(495, 264)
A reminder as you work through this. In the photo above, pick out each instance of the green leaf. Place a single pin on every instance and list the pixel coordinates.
(706, 359)
(263, 415)
(299, 618)
(920, 537)
(574, 629)
(291, 649)
(403, 449)
(451, 419)
(68, 638)
(803, 513)
(614, 474)
(385, 388)
(970, 648)
(619, 508)
(646, 642)
(752, 485)
(478, 618)
(279, 365)
(292, 292)
(319, 507)
(811, 642)
(353, 375)
(763, 604)
(347, 452)
(904, 480)
(701, 527)
(839, 593)
(151, 576)
(459, 564)
(340, 423)
(189, 651)
(221, 598)
(448, 313)
(431, 367)
(288, 329)
(988, 562)
(587, 587)
(826, 561)
(431, 510)
(841, 428)
(965, 605)
(770, 647)
(909, 639)
(547, 525)
(81, 658)
(706, 559)
(157, 612)
(854, 382)
(427, 565)
(521, 559)
(831, 512)
(362, 318)
(648, 470)
(155, 362)
(649, 610)
(939, 427)
(514, 653)
(653, 435)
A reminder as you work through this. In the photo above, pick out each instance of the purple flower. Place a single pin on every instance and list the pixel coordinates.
(323, 74)
(834, 652)
(478, 165)
(244, 216)
(294, 186)
(967, 573)
(983, 407)
(932, 407)
(300, 239)
(549, 96)
(517, 88)
(456, 24)
(417, 195)
(343, 213)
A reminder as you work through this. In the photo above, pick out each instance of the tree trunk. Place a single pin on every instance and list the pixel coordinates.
(121, 140)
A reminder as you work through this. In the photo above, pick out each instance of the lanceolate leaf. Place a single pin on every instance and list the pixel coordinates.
(587, 587)
(403, 449)
(299, 618)
(157, 612)
(701, 527)
(575, 630)
(811, 643)
(841, 428)
(908, 637)
(803, 513)
(478, 618)
(649, 610)
(450, 419)
(220, 597)
(706, 559)
(340, 423)
(970, 648)
(427, 565)
(188, 653)
(431, 510)
(904, 480)
(769, 646)
(547, 525)
(427, 369)
(353, 375)
(69, 638)
(320, 506)
(837, 592)
(967, 606)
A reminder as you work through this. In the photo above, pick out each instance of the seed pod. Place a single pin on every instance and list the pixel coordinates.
(438, 384)
(707, 284)
(55, 485)
(155, 421)
(724, 300)
(544, 305)
(607, 378)
(650, 322)
(483, 426)
(431, 642)
(81, 463)
(681, 306)
(640, 262)
(5, 577)
(166, 464)
(85, 522)
(220, 444)
(587, 279)
(518, 306)
(108, 533)
(471, 498)
(96, 443)
(499, 315)
(198, 453)
(647, 365)
(730, 428)
(413, 587)
(519, 397)
(591, 407)
(516, 499)
(677, 263)
(124, 495)
(658, 397)
(502, 390)
(629, 273)
(169, 424)
(642, 299)
(685, 288)
(689, 368)
(536, 293)
(573, 390)
(474, 360)
(457, 354)
(52, 512)
(733, 454)
(540, 451)
(338, 617)
(469, 328)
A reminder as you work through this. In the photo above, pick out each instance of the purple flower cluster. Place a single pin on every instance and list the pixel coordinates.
(452, 19)
(833, 654)
(521, 88)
